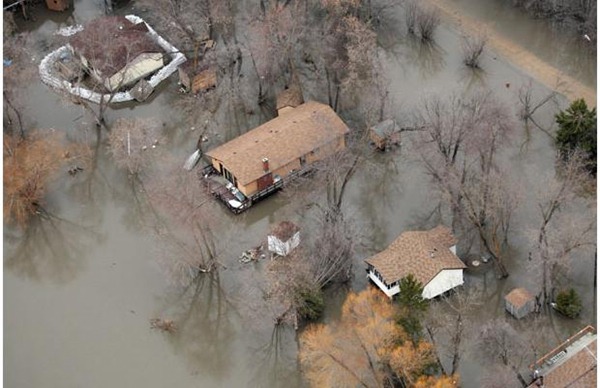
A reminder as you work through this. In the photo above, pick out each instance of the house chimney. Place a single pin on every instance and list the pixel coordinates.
(265, 162)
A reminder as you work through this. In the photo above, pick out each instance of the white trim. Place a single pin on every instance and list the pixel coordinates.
(388, 291)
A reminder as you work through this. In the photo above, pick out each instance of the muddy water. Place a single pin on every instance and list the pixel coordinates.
(575, 56)
(79, 293)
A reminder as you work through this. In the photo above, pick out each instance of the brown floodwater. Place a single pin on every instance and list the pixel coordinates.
(79, 292)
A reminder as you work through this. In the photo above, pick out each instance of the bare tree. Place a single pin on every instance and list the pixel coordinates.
(183, 220)
(411, 10)
(472, 48)
(428, 19)
(459, 145)
(499, 341)
(528, 105)
(556, 239)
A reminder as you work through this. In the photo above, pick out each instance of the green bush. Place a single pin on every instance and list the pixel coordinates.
(568, 303)
(310, 303)
(577, 132)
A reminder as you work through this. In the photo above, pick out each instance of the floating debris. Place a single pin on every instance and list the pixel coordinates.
(69, 30)
(163, 324)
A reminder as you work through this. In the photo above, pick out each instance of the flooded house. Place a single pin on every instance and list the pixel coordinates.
(571, 364)
(430, 256)
(519, 302)
(117, 52)
(260, 161)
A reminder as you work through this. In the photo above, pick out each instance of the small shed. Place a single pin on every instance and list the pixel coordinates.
(197, 78)
(284, 238)
(385, 134)
(519, 302)
(57, 5)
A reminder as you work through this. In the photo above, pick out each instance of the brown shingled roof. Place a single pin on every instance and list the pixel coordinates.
(285, 230)
(518, 297)
(420, 253)
(571, 364)
(281, 140)
(577, 371)
(291, 96)
(110, 42)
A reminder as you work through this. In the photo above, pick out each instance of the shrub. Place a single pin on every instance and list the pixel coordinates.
(568, 303)
(310, 303)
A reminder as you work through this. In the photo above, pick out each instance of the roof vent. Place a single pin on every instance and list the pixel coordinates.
(432, 253)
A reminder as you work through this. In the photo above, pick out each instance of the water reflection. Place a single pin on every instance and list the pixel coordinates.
(427, 56)
(202, 316)
(274, 362)
(51, 249)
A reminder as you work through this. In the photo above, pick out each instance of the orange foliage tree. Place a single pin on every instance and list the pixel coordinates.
(365, 347)
(30, 164)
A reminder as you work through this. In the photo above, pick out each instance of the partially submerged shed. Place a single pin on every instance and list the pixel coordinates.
(519, 302)
(284, 238)
(197, 78)
(385, 134)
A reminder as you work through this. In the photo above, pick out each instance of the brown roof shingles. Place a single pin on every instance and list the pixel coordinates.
(110, 42)
(578, 371)
(420, 253)
(281, 140)
(518, 297)
(285, 230)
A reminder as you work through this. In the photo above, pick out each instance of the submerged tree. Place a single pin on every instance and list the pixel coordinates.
(30, 165)
(557, 237)
(459, 144)
(365, 347)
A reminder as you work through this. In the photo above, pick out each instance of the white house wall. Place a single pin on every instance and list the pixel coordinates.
(445, 280)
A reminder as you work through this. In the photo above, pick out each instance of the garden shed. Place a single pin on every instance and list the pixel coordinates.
(284, 238)
(519, 302)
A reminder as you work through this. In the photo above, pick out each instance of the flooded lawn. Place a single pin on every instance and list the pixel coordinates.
(79, 293)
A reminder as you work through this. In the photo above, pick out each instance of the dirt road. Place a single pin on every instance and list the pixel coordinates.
(519, 56)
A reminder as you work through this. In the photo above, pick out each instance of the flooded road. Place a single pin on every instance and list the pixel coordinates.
(79, 293)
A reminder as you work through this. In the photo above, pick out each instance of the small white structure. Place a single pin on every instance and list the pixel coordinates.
(430, 256)
(284, 238)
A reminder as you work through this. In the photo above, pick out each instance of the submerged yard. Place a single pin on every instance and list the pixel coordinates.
(82, 285)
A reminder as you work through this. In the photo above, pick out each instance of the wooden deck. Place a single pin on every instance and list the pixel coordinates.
(217, 187)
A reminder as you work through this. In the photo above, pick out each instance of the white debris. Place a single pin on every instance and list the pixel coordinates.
(69, 30)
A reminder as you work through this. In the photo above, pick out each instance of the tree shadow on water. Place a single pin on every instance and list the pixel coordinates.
(204, 330)
(50, 249)
(273, 362)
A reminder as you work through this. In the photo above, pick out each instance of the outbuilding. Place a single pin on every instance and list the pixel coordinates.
(284, 238)
(519, 302)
